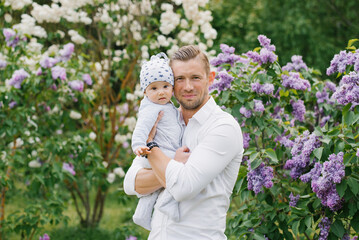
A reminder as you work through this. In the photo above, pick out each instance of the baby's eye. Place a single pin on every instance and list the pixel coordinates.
(154, 88)
(166, 86)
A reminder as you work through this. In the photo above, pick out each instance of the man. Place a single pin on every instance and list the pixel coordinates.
(203, 172)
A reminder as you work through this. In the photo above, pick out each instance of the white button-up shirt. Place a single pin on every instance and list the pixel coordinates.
(204, 184)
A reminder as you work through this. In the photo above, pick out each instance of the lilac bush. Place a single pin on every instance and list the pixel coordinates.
(300, 140)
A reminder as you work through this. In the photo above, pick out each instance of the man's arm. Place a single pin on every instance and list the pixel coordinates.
(140, 180)
(207, 161)
(146, 182)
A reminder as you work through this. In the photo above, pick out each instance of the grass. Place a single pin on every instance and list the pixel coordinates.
(116, 223)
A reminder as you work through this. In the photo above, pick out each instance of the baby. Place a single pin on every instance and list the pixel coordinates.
(157, 82)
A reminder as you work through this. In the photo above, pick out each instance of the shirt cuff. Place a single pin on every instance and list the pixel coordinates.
(129, 181)
(172, 172)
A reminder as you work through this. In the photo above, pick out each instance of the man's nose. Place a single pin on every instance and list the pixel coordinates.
(188, 85)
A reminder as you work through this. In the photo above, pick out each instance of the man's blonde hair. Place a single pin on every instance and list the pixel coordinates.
(189, 52)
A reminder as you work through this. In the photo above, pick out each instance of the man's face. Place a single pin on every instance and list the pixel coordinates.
(191, 83)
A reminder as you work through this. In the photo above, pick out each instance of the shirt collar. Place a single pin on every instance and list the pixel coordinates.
(203, 114)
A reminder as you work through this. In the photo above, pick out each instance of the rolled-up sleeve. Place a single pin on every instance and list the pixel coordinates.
(130, 177)
(210, 157)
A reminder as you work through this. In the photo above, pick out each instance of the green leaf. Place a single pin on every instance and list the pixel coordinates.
(255, 160)
(259, 237)
(355, 222)
(352, 41)
(326, 140)
(283, 93)
(295, 227)
(348, 118)
(341, 188)
(338, 228)
(272, 155)
(308, 221)
(354, 185)
(318, 152)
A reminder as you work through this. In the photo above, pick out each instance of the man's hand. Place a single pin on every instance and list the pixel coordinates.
(182, 154)
(152, 133)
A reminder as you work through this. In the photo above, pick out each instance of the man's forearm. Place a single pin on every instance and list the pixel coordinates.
(146, 182)
(159, 162)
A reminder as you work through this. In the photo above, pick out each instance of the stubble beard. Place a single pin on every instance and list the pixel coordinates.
(193, 105)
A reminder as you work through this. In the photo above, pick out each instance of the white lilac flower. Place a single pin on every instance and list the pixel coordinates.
(111, 177)
(92, 136)
(7, 18)
(75, 115)
(119, 172)
(3, 64)
(35, 164)
(120, 138)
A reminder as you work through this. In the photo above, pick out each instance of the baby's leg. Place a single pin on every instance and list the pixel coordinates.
(169, 206)
(143, 213)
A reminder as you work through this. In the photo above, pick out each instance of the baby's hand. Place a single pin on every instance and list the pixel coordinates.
(141, 150)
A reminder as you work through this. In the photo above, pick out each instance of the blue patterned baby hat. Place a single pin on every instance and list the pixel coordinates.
(156, 69)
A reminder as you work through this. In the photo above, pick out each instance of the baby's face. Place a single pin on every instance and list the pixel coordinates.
(159, 92)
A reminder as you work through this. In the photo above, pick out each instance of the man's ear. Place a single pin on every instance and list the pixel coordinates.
(212, 75)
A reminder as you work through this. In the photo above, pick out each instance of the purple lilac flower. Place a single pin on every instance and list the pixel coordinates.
(246, 112)
(69, 167)
(332, 173)
(304, 145)
(258, 105)
(259, 177)
(357, 154)
(3, 64)
(348, 90)
(346, 236)
(48, 62)
(265, 42)
(67, 51)
(331, 86)
(18, 77)
(295, 81)
(87, 79)
(224, 82)
(313, 174)
(247, 139)
(58, 72)
(297, 64)
(10, 37)
(267, 56)
(227, 56)
(227, 49)
(342, 60)
(298, 109)
(293, 199)
(324, 226)
(266, 88)
(77, 85)
(284, 140)
(12, 104)
(131, 238)
(324, 120)
(322, 96)
(45, 237)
